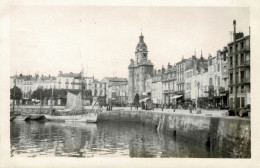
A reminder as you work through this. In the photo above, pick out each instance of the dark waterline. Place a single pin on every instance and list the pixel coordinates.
(104, 139)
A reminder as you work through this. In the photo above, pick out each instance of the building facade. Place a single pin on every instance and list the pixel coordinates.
(157, 91)
(168, 84)
(138, 72)
(111, 84)
(239, 70)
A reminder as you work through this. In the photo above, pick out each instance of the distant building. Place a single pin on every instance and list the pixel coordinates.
(180, 68)
(157, 91)
(138, 72)
(46, 82)
(99, 91)
(69, 80)
(24, 82)
(239, 70)
(113, 83)
(224, 91)
(169, 76)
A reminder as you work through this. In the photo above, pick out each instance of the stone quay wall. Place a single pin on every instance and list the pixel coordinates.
(227, 135)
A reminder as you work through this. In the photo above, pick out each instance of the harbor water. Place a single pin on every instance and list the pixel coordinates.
(103, 139)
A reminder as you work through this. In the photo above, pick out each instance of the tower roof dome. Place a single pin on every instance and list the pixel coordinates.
(141, 46)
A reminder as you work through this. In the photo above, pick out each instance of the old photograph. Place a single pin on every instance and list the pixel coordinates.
(130, 82)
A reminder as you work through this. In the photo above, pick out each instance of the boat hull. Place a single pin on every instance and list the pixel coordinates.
(90, 118)
(35, 117)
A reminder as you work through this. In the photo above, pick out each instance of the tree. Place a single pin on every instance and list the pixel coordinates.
(136, 99)
(15, 93)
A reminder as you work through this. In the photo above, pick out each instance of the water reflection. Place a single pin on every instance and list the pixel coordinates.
(105, 139)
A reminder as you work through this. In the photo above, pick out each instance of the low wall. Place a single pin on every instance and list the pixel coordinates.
(229, 136)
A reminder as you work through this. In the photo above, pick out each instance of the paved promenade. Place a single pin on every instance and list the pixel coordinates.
(178, 111)
(209, 113)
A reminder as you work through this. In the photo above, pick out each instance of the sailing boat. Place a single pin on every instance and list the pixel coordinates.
(36, 117)
(74, 111)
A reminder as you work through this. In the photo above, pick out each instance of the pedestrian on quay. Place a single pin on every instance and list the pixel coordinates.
(131, 106)
(162, 107)
(173, 108)
(190, 108)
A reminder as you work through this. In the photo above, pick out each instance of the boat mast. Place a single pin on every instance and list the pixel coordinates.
(82, 93)
(51, 99)
(14, 90)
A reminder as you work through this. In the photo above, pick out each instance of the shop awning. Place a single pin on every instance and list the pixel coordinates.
(176, 96)
(143, 100)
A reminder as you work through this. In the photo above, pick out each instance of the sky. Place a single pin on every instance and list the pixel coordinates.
(49, 39)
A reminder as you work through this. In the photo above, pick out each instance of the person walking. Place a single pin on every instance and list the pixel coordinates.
(162, 107)
(190, 108)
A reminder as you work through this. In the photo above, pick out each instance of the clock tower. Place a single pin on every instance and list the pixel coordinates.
(138, 71)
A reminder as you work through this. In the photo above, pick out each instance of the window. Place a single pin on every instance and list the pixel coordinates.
(230, 49)
(219, 80)
(242, 76)
(242, 45)
(237, 77)
(242, 89)
(236, 60)
(218, 67)
(238, 102)
(242, 102)
(231, 61)
(225, 56)
(247, 57)
(242, 59)
(231, 90)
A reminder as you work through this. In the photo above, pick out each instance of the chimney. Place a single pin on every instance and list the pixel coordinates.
(234, 33)
(60, 73)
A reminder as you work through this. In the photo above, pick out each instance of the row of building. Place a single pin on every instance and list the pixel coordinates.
(109, 89)
(222, 80)
(215, 81)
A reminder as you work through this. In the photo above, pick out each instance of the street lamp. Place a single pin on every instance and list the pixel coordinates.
(198, 84)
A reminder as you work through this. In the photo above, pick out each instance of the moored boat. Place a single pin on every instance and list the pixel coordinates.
(74, 111)
(35, 117)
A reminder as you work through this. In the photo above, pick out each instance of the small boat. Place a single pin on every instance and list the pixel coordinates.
(35, 117)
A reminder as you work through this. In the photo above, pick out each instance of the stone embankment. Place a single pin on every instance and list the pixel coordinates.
(227, 135)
